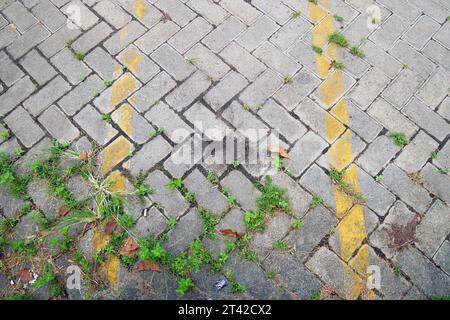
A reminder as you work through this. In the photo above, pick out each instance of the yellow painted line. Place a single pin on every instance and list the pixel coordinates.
(351, 229)
(132, 59)
(140, 8)
(120, 148)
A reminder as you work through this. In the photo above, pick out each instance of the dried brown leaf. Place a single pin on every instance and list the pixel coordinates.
(148, 265)
(129, 248)
(25, 275)
(283, 153)
(230, 233)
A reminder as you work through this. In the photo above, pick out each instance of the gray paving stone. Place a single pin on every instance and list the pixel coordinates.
(413, 59)
(432, 9)
(392, 286)
(297, 89)
(377, 155)
(206, 122)
(81, 94)
(24, 127)
(28, 40)
(403, 9)
(184, 156)
(290, 32)
(280, 120)
(58, 125)
(152, 92)
(442, 35)
(244, 121)
(401, 185)
(187, 229)
(39, 191)
(58, 41)
(443, 159)
(91, 121)
(112, 13)
(276, 59)
(444, 109)
(9, 72)
(257, 33)
(262, 88)
(153, 224)
(190, 35)
(318, 119)
(212, 12)
(427, 119)
(276, 229)
(17, 14)
(380, 59)
(433, 229)
(86, 18)
(15, 95)
(73, 69)
(188, 91)
(178, 12)
(298, 279)
(241, 9)
(252, 277)
(377, 197)
(224, 34)
(150, 154)
(156, 36)
(172, 62)
(8, 35)
(390, 118)
(172, 202)
(225, 90)
(299, 199)
(421, 32)
(243, 61)
(242, 188)
(124, 37)
(358, 121)
(369, 87)
(442, 257)
(431, 280)
(26, 228)
(391, 29)
(10, 205)
(436, 182)
(435, 89)
(206, 194)
(318, 183)
(92, 38)
(49, 15)
(275, 9)
(402, 88)
(162, 115)
(103, 64)
(207, 61)
(50, 93)
(414, 294)
(138, 129)
(332, 271)
(415, 154)
(38, 67)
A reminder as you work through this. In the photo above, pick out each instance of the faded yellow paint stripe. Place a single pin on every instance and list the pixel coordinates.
(351, 229)
(140, 8)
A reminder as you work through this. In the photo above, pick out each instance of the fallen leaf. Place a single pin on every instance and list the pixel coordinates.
(110, 226)
(148, 265)
(25, 275)
(402, 235)
(230, 233)
(84, 156)
(280, 151)
(62, 212)
(165, 17)
(129, 248)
